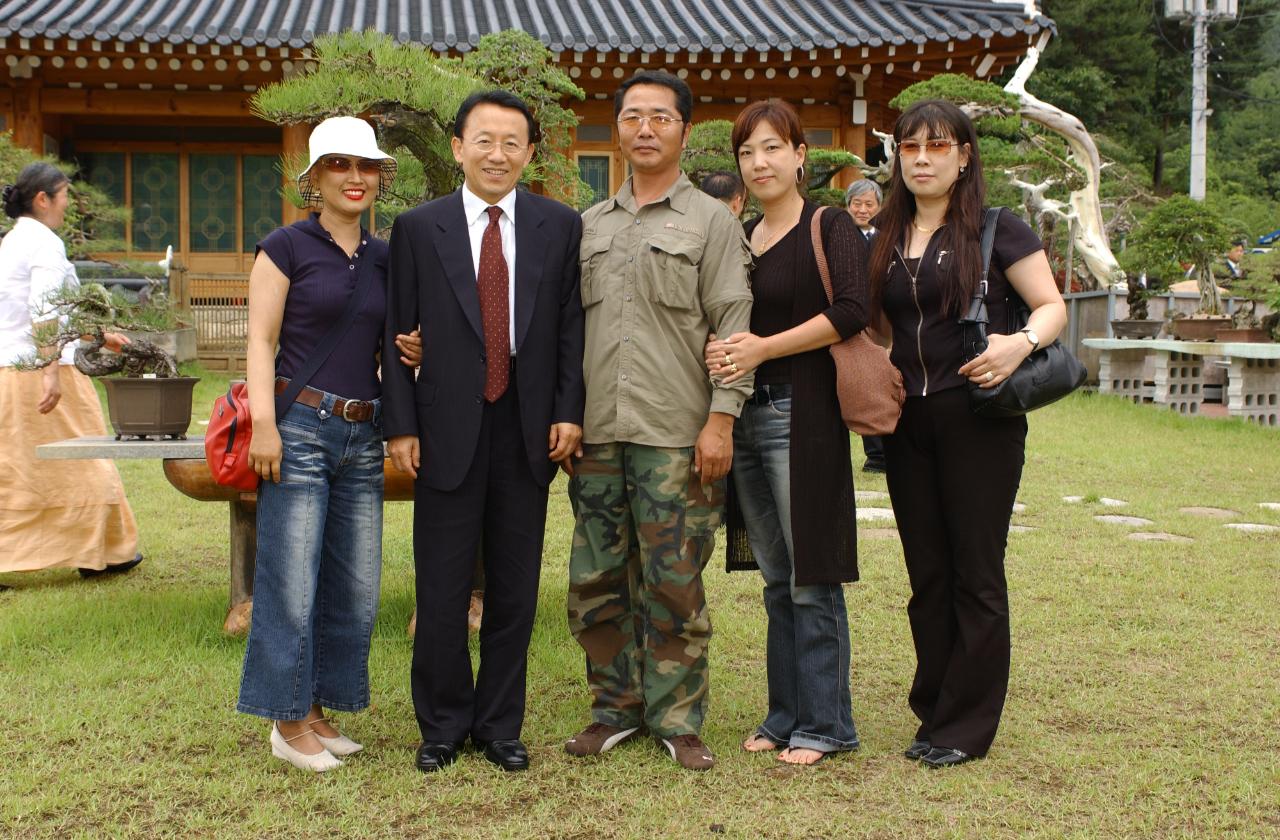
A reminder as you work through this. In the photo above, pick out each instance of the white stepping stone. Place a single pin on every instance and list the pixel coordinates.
(1020, 529)
(1269, 505)
(1019, 507)
(1158, 536)
(879, 533)
(1104, 501)
(1253, 527)
(873, 514)
(870, 495)
(1132, 521)
(1218, 513)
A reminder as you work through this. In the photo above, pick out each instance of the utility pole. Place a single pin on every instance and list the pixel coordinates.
(1200, 13)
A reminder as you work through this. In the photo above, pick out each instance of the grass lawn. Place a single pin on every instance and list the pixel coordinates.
(1144, 698)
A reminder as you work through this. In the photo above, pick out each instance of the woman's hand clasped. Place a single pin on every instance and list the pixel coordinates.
(1001, 358)
(732, 358)
(265, 452)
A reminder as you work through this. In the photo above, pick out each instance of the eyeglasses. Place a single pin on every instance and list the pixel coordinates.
(658, 122)
(510, 148)
(365, 166)
(936, 148)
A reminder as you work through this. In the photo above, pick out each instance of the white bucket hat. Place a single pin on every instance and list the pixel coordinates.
(351, 137)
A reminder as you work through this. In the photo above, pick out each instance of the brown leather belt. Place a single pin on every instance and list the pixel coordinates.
(353, 411)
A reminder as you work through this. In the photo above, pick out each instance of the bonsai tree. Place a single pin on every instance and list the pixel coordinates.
(1180, 231)
(89, 313)
(411, 95)
(1260, 285)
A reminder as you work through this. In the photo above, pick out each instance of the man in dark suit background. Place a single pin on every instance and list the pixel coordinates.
(490, 274)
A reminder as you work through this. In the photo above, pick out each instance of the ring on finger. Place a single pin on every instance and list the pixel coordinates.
(990, 376)
(728, 360)
(733, 366)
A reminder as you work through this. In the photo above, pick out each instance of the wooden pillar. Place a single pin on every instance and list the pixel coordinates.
(28, 122)
(294, 142)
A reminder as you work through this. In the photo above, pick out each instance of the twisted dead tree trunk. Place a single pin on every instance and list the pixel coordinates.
(1090, 236)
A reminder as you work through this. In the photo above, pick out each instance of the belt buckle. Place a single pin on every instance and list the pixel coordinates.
(346, 406)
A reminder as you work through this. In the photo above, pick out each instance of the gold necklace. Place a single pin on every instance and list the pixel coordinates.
(925, 230)
(764, 246)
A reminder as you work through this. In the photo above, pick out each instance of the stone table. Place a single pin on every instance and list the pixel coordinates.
(1253, 374)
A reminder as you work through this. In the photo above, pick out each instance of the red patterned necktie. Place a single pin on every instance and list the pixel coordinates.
(495, 310)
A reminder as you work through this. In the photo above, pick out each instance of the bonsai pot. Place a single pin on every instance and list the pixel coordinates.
(1251, 334)
(1135, 328)
(1199, 329)
(144, 408)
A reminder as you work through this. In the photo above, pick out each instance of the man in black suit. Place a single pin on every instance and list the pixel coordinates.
(490, 274)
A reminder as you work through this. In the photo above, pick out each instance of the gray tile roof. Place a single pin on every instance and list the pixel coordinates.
(574, 25)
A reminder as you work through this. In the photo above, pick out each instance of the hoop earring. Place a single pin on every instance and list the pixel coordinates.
(799, 174)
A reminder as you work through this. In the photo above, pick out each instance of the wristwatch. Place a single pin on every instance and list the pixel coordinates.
(1032, 337)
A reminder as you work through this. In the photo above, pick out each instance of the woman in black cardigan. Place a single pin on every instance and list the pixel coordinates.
(792, 487)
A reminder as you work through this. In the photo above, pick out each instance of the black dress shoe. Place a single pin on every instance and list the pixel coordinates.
(917, 750)
(119, 568)
(437, 755)
(510, 755)
(946, 757)
(873, 467)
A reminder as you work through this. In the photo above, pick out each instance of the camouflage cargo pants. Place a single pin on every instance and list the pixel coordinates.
(636, 602)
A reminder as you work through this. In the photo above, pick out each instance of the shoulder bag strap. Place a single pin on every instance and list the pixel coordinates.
(989, 221)
(364, 281)
(815, 233)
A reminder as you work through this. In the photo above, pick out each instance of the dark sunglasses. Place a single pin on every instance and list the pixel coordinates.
(365, 166)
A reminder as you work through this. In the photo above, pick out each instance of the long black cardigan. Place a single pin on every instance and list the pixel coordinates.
(823, 517)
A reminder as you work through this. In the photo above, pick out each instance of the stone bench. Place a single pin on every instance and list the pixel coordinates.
(1177, 370)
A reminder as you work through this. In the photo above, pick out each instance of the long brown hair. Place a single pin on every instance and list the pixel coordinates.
(963, 220)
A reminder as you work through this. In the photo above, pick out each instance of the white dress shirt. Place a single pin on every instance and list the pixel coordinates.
(33, 264)
(475, 209)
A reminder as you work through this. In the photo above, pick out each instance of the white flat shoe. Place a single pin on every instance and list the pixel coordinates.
(318, 763)
(340, 746)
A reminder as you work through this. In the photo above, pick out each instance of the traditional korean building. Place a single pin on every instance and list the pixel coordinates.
(151, 97)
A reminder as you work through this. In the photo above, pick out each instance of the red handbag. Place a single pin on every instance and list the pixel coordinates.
(226, 441)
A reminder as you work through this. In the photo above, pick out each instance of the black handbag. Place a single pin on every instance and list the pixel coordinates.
(1047, 375)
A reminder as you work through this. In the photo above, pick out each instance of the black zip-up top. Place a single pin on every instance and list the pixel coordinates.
(927, 341)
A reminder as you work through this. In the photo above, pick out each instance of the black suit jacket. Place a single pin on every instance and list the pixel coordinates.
(432, 284)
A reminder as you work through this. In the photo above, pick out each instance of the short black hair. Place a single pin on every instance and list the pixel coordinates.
(661, 78)
(35, 178)
(501, 98)
(723, 185)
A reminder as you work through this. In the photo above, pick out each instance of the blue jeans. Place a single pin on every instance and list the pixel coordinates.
(319, 563)
(807, 651)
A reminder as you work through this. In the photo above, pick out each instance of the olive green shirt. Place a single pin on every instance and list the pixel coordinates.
(656, 281)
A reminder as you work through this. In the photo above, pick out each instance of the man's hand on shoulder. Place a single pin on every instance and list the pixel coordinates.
(405, 454)
(713, 452)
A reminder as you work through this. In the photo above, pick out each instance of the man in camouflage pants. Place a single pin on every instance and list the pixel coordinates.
(663, 265)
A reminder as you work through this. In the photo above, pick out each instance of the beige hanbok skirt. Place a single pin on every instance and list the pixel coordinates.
(57, 513)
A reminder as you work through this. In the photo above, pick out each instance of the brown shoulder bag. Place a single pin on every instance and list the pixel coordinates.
(868, 385)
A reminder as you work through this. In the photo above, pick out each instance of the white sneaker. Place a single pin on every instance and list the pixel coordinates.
(318, 763)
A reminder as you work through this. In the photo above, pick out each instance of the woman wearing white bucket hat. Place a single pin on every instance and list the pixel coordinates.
(314, 285)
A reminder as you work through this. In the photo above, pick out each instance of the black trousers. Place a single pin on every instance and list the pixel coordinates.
(873, 448)
(953, 478)
(500, 500)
